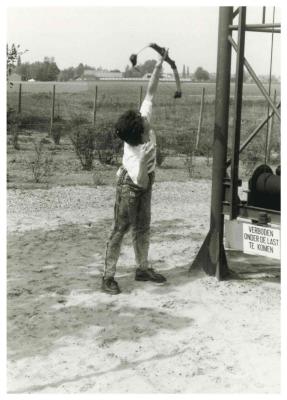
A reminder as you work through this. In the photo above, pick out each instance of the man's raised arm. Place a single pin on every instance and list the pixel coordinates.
(153, 82)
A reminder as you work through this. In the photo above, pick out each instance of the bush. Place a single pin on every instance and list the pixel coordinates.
(108, 145)
(34, 122)
(83, 138)
(13, 127)
(181, 142)
(41, 164)
(160, 150)
(58, 129)
(188, 161)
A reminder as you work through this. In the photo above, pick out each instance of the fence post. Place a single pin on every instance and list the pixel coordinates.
(270, 132)
(20, 99)
(52, 109)
(200, 119)
(141, 95)
(95, 106)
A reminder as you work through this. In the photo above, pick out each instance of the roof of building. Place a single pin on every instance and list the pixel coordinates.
(101, 74)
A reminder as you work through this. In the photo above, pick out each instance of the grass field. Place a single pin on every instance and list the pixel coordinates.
(174, 120)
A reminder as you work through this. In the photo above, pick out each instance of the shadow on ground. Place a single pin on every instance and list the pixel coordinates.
(45, 268)
(246, 266)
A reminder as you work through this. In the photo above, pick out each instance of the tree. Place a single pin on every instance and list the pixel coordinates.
(79, 70)
(127, 72)
(147, 67)
(13, 54)
(187, 72)
(40, 71)
(201, 74)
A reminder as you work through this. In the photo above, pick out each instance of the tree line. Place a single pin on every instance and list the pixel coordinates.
(47, 70)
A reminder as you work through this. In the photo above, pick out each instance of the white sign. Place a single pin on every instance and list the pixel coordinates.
(261, 240)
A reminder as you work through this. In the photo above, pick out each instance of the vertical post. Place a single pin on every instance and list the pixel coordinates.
(200, 119)
(270, 132)
(20, 99)
(211, 256)
(263, 15)
(141, 95)
(95, 106)
(237, 114)
(52, 109)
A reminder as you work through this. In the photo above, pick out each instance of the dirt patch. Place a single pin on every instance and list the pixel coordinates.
(193, 334)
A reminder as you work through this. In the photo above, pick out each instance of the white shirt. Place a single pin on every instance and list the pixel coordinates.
(131, 159)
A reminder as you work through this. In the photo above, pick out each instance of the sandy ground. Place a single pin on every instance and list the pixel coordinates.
(193, 334)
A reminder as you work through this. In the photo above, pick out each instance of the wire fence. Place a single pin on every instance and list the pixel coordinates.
(181, 123)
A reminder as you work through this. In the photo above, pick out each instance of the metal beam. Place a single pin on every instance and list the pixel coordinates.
(235, 13)
(264, 30)
(250, 26)
(254, 133)
(237, 114)
(263, 15)
(211, 256)
(251, 212)
(257, 81)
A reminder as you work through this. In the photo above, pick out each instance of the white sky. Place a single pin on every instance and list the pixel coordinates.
(106, 36)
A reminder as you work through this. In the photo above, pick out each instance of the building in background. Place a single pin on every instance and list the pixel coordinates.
(94, 75)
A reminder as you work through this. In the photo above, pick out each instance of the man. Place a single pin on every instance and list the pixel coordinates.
(134, 188)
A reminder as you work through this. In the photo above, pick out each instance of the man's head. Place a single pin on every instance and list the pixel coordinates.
(130, 127)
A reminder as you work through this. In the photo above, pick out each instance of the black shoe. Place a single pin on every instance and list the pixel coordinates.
(149, 275)
(109, 285)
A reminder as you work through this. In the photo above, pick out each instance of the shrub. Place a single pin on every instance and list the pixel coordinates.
(83, 139)
(35, 122)
(58, 129)
(188, 161)
(108, 145)
(13, 127)
(56, 132)
(41, 163)
(160, 151)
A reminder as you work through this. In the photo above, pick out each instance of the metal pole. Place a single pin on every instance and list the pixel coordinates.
(270, 132)
(263, 15)
(211, 256)
(95, 106)
(141, 95)
(267, 30)
(52, 109)
(200, 118)
(237, 114)
(20, 99)
(255, 26)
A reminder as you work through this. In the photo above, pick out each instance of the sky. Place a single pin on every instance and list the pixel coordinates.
(107, 36)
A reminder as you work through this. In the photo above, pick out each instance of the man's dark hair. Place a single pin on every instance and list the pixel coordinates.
(130, 127)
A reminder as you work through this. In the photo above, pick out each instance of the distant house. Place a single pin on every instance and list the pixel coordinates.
(163, 75)
(93, 75)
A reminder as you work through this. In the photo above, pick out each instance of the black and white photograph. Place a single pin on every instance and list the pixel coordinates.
(142, 162)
